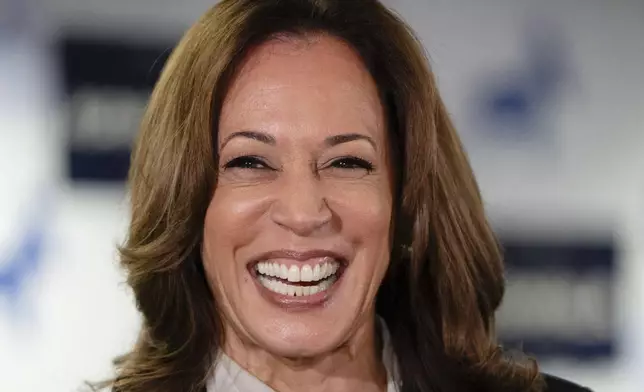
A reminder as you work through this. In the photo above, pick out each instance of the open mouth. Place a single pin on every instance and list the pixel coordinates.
(298, 280)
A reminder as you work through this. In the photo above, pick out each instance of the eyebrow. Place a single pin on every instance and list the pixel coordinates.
(255, 135)
(348, 137)
(265, 138)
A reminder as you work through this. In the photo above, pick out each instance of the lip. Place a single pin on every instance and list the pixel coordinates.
(299, 256)
(302, 303)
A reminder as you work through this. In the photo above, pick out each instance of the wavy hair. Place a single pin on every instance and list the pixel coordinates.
(445, 279)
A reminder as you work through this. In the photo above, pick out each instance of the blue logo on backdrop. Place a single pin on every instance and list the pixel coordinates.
(18, 263)
(514, 102)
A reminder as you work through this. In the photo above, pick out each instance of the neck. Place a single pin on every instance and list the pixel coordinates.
(354, 366)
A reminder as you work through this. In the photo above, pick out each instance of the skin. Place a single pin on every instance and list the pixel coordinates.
(300, 191)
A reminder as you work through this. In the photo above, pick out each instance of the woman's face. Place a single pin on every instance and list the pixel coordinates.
(296, 239)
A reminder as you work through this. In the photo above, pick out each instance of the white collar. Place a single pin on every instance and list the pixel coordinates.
(228, 376)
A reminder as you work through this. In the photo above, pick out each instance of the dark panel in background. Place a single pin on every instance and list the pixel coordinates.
(559, 300)
(107, 84)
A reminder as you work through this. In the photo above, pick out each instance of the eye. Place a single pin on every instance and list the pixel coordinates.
(246, 162)
(352, 163)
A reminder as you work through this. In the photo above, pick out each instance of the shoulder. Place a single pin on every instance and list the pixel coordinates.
(556, 384)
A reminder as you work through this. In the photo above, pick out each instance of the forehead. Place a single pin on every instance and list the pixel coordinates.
(313, 80)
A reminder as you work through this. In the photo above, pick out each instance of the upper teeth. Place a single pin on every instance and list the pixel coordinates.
(295, 273)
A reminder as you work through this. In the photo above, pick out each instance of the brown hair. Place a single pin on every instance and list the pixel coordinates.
(439, 296)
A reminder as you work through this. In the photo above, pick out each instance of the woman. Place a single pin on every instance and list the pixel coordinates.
(304, 217)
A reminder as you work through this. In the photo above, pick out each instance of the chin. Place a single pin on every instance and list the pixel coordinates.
(299, 340)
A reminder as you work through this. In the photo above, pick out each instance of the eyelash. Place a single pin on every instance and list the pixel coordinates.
(247, 162)
(351, 162)
(253, 162)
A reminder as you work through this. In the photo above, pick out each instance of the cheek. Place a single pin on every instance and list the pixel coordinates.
(365, 211)
(228, 226)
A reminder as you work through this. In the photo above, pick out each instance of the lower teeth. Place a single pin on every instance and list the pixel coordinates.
(279, 287)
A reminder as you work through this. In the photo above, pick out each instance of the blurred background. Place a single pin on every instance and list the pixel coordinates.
(547, 95)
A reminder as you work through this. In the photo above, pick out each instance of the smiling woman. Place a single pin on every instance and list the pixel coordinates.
(304, 217)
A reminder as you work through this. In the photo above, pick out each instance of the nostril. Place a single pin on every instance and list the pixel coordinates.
(301, 215)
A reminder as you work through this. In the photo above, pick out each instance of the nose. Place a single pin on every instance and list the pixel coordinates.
(301, 206)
